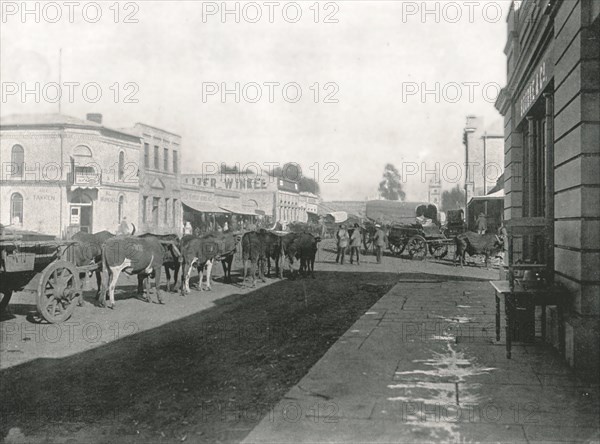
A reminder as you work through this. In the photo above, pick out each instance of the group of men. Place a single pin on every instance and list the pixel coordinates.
(354, 240)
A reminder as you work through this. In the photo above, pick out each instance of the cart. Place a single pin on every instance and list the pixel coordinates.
(29, 257)
(418, 239)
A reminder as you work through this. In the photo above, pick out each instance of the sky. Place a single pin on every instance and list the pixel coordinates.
(360, 67)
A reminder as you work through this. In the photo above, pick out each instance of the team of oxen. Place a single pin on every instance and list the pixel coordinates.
(147, 254)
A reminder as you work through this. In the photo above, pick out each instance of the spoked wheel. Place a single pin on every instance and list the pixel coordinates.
(396, 249)
(417, 247)
(438, 250)
(58, 291)
(368, 244)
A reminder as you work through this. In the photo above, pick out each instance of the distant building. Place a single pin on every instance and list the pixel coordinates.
(61, 175)
(247, 194)
(160, 176)
(434, 194)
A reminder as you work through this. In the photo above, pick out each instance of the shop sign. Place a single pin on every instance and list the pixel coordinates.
(539, 79)
(239, 182)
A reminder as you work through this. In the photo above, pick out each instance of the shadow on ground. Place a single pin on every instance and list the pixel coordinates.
(210, 376)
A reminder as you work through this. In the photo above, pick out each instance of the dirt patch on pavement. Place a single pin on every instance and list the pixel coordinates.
(208, 377)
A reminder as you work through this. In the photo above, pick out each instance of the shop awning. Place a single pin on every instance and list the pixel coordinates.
(204, 207)
(239, 211)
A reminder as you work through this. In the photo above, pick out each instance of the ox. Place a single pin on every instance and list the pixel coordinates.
(133, 255)
(300, 248)
(201, 252)
(88, 251)
(259, 247)
(473, 243)
(171, 258)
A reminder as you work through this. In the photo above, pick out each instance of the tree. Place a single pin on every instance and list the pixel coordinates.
(293, 172)
(453, 199)
(390, 187)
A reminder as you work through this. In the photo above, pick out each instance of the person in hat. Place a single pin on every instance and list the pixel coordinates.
(342, 244)
(355, 243)
(379, 240)
(481, 223)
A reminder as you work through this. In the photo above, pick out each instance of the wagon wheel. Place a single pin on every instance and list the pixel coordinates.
(58, 291)
(368, 244)
(5, 296)
(417, 247)
(438, 250)
(396, 249)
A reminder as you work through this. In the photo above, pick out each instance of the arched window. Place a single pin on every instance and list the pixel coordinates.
(16, 209)
(18, 160)
(82, 151)
(121, 165)
(120, 208)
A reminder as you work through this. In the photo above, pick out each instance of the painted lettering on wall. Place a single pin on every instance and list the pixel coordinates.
(538, 81)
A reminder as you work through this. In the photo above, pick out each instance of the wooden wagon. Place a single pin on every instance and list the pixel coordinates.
(418, 239)
(27, 258)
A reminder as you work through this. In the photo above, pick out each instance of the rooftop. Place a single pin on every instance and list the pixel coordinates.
(54, 120)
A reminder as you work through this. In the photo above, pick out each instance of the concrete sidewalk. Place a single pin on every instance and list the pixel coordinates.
(423, 366)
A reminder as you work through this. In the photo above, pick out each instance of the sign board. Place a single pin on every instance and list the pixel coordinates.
(539, 79)
(74, 215)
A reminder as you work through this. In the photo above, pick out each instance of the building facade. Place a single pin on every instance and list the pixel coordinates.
(159, 163)
(434, 194)
(61, 175)
(551, 109)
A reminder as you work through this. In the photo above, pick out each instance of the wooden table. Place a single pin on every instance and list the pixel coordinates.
(542, 296)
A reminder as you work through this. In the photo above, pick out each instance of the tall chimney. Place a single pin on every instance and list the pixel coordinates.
(94, 117)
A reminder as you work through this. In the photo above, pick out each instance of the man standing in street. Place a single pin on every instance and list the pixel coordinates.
(379, 240)
(355, 242)
(342, 244)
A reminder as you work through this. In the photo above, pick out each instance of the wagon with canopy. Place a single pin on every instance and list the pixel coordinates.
(411, 226)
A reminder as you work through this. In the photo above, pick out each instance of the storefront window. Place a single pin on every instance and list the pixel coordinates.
(16, 209)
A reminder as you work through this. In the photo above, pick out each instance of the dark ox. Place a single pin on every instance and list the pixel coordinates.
(473, 243)
(171, 257)
(258, 248)
(300, 249)
(201, 252)
(143, 257)
(88, 251)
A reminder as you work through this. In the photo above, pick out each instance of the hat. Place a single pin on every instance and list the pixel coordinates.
(482, 214)
(377, 226)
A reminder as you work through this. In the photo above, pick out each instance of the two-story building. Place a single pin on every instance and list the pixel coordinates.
(160, 176)
(61, 174)
(551, 109)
